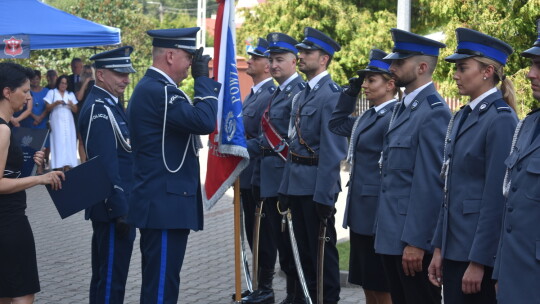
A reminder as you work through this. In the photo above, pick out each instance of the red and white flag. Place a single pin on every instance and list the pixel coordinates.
(227, 151)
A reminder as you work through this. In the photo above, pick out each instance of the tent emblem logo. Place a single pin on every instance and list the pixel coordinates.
(13, 46)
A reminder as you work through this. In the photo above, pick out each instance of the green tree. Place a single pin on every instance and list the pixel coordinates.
(512, 21)
(124, 14)
(356, 30)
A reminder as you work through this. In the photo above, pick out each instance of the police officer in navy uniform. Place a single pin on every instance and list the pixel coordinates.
(165, 125)
(366, 139)
(282, 52)
(311, 179)
(252, 109)
(477, 143)
(411, 187)
(104, 130)
(517, 263)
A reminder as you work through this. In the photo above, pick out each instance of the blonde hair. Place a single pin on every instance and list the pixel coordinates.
(507, 87)
(397, 91)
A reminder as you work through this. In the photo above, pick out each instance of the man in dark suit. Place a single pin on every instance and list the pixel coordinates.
(165, 125)
(517, 264)
(74, 80)
(411, 187)
(103, 125)
(311, 178)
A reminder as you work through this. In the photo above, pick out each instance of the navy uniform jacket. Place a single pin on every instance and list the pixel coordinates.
(365, 181)
(321, 181)
(411, 186)
(517, 266)
(252, 110)
(470, 219)
(161, 199)
(102, 141)
(271, 167)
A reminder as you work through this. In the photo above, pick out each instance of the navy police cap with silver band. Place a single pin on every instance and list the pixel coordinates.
(281, 43)
(317, 40)
(184, 38)
(535, 50)
(117, 60)
(261, 49)
(407, 44)
(471, 43)
(376, 63)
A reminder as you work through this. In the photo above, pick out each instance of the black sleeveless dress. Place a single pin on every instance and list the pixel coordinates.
(18, 266)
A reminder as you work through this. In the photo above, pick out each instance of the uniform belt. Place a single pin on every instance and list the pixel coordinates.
(268, 152)
(304, 160)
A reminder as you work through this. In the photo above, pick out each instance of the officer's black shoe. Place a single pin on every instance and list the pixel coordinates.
(264, 294)
(244, 294)
(260, 296)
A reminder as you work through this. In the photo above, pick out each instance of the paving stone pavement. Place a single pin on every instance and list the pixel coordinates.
(207, 276)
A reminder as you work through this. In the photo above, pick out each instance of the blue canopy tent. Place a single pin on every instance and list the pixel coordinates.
(41, 26)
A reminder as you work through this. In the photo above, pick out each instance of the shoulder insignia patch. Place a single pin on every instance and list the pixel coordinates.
(434, 101)
(501, 105)
(335, 88)
(533, 111)
(174, 97)
(100, 115)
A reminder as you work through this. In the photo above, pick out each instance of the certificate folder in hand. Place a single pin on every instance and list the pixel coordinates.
(85, 185)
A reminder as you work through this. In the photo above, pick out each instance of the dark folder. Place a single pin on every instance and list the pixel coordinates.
(85, 185)
(31, 140)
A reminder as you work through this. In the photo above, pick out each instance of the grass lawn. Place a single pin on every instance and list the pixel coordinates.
(343, 250)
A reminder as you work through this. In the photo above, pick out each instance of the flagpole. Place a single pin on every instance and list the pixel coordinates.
(237, 273)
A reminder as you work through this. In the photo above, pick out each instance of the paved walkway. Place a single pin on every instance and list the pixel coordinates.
(207, 277)
(63, 250)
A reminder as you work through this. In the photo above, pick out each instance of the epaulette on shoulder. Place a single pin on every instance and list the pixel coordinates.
(434, 101)
(335, 88)
(533, 111)
(302, 85)
(501, 106)
(271, 89)
(163, 81)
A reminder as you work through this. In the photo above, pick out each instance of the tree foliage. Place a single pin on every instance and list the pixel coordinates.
(356, 30)
(359, 25)
(124, 14)
(512, 21)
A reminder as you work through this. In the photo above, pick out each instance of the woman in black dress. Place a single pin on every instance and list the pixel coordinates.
(18, 268)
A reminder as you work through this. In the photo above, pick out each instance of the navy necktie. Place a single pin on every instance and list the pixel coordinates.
(308, 89)
(466, 111)
(402, 107)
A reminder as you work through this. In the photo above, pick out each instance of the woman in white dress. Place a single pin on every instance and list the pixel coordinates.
(62, 104)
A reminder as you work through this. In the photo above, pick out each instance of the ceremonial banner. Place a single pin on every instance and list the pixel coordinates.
(31, 140)
(14, 46)
(227, 151)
